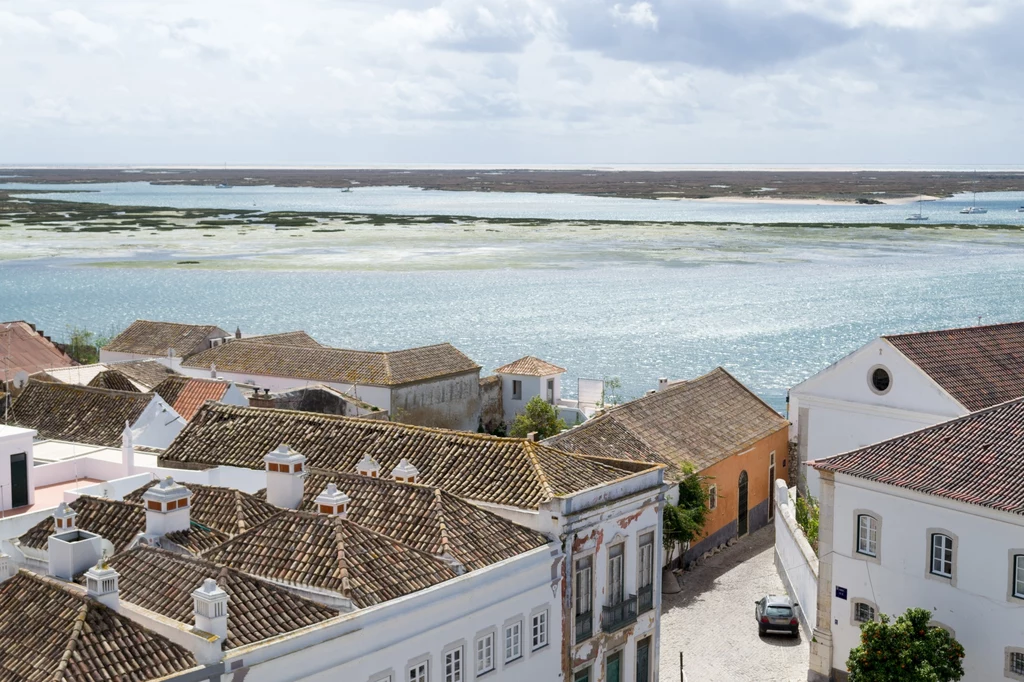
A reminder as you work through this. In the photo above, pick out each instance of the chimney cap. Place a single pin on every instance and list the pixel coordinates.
(367, 466)
(332, 496)
(64, 511)
(166, 490)
(283, 455)
(405, 470)
(126, 434)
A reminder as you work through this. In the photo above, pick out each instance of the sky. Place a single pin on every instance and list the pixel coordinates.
(517, 82)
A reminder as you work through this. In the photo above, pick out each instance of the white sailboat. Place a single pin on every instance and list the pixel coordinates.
(918, 216)
(973, 209)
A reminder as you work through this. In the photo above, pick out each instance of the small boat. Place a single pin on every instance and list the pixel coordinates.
(1020, 210)
(346, 189)
(917, 216)
(222, 185)
(973, 210)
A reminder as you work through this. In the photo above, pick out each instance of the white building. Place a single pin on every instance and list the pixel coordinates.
(900, 383)
(530, 377)
(932, 519)
(17, 488)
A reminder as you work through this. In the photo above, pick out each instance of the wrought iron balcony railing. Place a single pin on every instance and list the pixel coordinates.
(584, 626)
(645, 599)
(617, 616)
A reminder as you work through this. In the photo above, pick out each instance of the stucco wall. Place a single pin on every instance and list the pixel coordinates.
(13, 442)
(446, 403)
(511, 405)
(794, 558)
(492, 413)
(978, 609)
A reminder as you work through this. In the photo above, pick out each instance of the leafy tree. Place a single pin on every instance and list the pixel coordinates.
(907, 650)
(84, 346)
(684, 522)
(610, 392)
(539, 416)
(807, 519)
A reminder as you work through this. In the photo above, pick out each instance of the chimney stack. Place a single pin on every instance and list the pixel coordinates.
(127, 450)
(167, 508)
(405, 472)
(213, 370)
(333, 502)
(662, 384)
(72, 552)
(101, 584)
(6, 567)
(284, 477)
(238, 332)
(532, 436)
(64, 518)
(211, 609)
(368, 467)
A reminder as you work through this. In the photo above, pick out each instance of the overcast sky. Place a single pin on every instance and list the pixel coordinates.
(512, 81)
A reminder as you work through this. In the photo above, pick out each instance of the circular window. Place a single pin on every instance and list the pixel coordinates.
(880, 379)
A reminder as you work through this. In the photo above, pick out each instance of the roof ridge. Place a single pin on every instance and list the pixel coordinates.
(89, 389)
(75, 635)
(954, 329)
(239, 512)
(442, 522)
(542, 477)
(339, 540)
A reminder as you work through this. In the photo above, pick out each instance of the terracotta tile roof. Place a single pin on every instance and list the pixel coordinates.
(146, 373)
(115, 381)
(699, 422)
(187, 394)
(52, 632)
(146, 337)
(163, 582)
(77, 413)
(425, 518)
(226, 510)
(298, 338)
(978, 366)
(977, 459)
(337, 365)
(531, 367)
(330, 553)
(120, 523)
(29, 350)
(508, 471)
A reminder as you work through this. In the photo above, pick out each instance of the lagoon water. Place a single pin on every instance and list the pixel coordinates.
(772, 305)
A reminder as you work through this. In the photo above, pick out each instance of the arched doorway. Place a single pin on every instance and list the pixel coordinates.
(741, 512)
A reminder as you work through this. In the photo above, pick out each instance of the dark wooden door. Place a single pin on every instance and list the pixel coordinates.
(643, 661)
(613, 668)
(19, 480)
(741, 512)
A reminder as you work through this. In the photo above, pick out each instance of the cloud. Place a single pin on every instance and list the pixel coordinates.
(568, 68)
(640, 14)
(83, 31)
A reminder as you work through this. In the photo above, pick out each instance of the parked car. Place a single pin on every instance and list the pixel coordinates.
(776, 613)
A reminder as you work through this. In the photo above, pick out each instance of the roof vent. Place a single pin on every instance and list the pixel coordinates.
(167, 507)
(101, 583)
(6, 567)
(662, 383)
(64, 518)
(405, 472)
(284, 477)
(213, 370)
(333, 502)
(210, 608)
(368, 467)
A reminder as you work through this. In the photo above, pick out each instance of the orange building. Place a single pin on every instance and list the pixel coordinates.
(716, 425)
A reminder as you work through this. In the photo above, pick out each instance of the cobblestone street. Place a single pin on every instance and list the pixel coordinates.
(712, 620)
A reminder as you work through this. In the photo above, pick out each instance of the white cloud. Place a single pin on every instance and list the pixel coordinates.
(638, 14)
(82, 30)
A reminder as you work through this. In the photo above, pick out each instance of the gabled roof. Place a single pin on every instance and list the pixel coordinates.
(698, 422)
(52, 632)
(531, 367)
(146, 337)
(114, 380)
(425, 518)
(299, 338)
(75, 374)
(187, 394)
(976, 459)
(120, 522)
(146, 373)
(163, 582)
(330, 553)
(27, 350)
(978, 366)
(337, 365)
(77, 413)
(510, 471)
(226, 510)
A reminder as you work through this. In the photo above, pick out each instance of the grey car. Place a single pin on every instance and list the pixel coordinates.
(776, 613)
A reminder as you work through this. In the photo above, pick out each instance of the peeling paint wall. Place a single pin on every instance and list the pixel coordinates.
(446, 403)
(491, 411)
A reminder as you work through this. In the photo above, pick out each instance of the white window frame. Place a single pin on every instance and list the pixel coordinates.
(484, 663)
(1015, 590)
(941, 555)
(867, 535)
(616, 589)
(1010, 655)
(419, 671)
(859, 547)
(453, 665)
(712, 497)
(517, 395)
(855, 604)
(645, 559)
(539, 630)
(513, 641)
(583, 596)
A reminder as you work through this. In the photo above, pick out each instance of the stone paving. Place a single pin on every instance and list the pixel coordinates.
(712, 620)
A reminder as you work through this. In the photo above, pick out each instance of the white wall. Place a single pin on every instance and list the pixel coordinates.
(794, 558)
(15, 441)
(532, 386)
(234, 396)
(108, 357)
(158, 424)
(984, 619)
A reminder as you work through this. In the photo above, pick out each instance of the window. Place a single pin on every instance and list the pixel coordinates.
(867, 535)
(713, 497)
(419, 672)
(863, 613)
(1015, 663)
(1018, 576)
(613, 667)
(453, 665)
(539, 630)
(582, 675)
(646, 560)
(551, 391)
(485, 654)
(517, 389)
(942, 555)
(584, 594)
(616, 588)
(513, 641)
(879, 380)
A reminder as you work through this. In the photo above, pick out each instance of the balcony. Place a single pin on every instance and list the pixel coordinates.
(645, 599)
(617, 616)
(584, 626)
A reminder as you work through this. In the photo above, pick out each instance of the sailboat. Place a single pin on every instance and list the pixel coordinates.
(918, 216)
(973, 208)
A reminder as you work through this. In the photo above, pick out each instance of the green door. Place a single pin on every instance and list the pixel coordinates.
(19, 480)
(643, 661)
(613, 668)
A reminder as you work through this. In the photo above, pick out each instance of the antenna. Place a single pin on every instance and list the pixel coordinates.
(979, 320)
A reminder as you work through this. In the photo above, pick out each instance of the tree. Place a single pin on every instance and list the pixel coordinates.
(84, 346)
(907, 650)
(683, 522)
(539, 416)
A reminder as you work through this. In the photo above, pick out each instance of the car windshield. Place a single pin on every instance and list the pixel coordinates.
(778, 612)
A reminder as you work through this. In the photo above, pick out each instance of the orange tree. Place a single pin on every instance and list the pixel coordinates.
(906, 650)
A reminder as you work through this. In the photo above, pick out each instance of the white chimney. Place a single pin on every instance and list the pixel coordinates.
(211, 609)
(213, 370)
(532, 436)
(167, 507)
(64, 518)
(368, 467)
(284, 477)
(333, 502)
(127, 450)
(662, 384)
(72, 552)
(6, 567)
(405, 472)
(101, 585)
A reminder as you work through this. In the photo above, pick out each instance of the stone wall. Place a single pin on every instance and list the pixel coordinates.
(491, 409)
(794, 558)
(451, 402)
